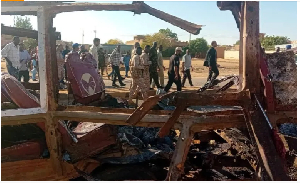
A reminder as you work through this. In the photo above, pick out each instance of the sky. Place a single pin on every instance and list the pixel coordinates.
(276, 18)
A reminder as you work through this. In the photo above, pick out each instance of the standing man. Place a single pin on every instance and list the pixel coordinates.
(66, 51)
(101, 60)
(136, 45)
(186, 66)
(173, 71)
(138, 82)
(115, 59)
(211, 57)
(94, 49)
(146, 63)
(161, 67)
(12, 56)
(277, 50)
(154, 65)
(126, 61)
(24, 60)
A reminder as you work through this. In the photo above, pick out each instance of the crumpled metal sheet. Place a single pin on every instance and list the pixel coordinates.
(139, 144)
(283, 69)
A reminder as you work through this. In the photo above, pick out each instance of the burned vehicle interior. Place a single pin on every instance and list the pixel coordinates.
(176, 136)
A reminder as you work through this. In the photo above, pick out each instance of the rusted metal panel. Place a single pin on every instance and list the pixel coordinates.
(164, 130)
(92, 139)
(23, 32)
(268, 87)
(269, 160)
(182, 148)
(283, 72)
(24, 151)
(34, 170)
(136, 7)
(251, 46)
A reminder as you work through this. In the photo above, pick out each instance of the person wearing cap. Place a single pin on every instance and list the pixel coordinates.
(11, 54)
(211, 58)
(94, 49)
(75, 47)
(173, 71)
(138, 82)
(154, 65)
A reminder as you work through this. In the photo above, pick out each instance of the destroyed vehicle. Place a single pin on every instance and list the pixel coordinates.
(105, 144)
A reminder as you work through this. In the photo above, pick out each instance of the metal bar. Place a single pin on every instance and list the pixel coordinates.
(22, 112)
(264, 113)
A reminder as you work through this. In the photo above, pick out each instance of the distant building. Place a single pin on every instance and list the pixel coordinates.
(137, 38)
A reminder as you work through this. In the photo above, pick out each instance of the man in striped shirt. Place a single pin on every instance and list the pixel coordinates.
(12, 56)
(115, 60)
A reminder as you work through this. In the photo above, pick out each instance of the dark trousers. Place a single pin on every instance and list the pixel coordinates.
(187, 74)
(24, 74)
(126, 70)
(116, 70)
(172, 80)
(12, 71)
(154, 76)
(213, 74)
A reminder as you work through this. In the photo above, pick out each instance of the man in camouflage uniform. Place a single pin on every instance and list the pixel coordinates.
(154, 65)
(138, 82)
(146, 63)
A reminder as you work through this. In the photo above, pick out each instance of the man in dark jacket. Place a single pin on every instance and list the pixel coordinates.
(154, 65)
(211, 58)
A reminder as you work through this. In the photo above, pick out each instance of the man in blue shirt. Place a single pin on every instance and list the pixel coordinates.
(126, 60)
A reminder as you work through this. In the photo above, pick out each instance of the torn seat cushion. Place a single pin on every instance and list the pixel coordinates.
(86, 83)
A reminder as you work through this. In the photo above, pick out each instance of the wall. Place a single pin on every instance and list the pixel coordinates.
(220, 52)
(111, 47)
(235, 54)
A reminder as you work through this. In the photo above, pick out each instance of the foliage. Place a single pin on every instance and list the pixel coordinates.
(160, 38)
(30, 43)
(25, 23)
(168, 33)
(271, 41)
(237, 42)
(199, 46)
(168, 52)
(114, 41)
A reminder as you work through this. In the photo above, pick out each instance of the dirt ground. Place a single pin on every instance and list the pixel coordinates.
(227, 67)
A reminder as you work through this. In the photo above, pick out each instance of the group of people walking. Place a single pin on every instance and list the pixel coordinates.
(145, 65)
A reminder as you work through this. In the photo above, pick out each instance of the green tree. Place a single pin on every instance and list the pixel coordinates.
(269, 42)
(160, 38)
(168, 33)
(23, 23)
(114, 41)
(237, 42)
(26, 24)
(198, 45)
